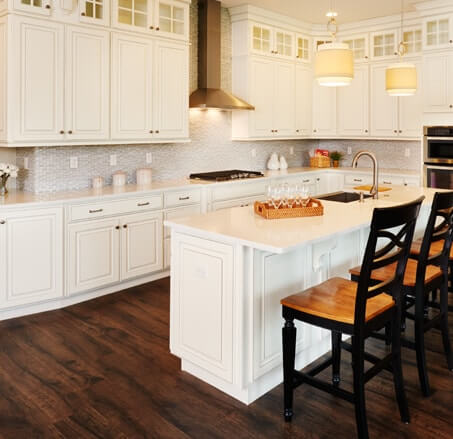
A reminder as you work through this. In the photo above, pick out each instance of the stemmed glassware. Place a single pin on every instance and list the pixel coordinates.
(288, 195)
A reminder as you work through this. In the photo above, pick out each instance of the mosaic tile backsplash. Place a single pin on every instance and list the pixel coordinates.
(211, 147)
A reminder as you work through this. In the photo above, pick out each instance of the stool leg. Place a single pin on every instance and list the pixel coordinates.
(398, 370)
(336, 357)
(388, 334)
(358, 347)
(420, 342)
(444, 325)
(289, 355)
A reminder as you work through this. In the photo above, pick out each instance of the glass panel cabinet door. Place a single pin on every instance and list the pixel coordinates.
(413, 40)
(172, 18)
(302, 48)
(284, 44)
(438, 32)
(94, 11)
(42, 7)
(359, 47)
(133, 14)
(262, 39)
(383, 45)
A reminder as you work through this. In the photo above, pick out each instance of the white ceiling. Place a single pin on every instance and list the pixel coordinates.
(314, 11)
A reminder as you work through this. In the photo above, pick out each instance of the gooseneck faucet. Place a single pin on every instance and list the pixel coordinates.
(375, 188)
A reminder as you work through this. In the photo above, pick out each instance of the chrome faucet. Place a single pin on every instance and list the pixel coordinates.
(375, 188)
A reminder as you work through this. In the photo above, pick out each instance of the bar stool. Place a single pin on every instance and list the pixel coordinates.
(426, 273)
(345, 307)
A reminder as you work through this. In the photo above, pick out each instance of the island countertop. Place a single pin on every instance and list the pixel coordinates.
(242, 226)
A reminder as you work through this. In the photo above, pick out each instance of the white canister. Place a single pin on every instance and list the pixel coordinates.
(97, 182)
(144, 176)
(119, 178)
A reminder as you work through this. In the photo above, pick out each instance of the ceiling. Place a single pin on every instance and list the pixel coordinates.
(314, 11)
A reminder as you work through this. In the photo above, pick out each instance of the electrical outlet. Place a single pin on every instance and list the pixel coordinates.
(113, 160)
(407, 152)
(291, 150)
(254, 152)
(26, 163)
(149, 157)
(349, 150)
(73, 162)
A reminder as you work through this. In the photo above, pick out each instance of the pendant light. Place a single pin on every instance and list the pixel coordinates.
(334, 63)
(401, 77)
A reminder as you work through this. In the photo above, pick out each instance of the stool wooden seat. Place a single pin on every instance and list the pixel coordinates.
(355, 309)
(426, 274)
(335, 300)
(432, 273)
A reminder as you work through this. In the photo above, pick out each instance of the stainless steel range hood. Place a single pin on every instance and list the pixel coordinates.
(209, 94)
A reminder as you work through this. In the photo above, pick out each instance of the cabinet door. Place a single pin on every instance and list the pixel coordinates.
(93, 255)
(31, 256)
(303, 49)
(261, 39)
(132, 79)
(135, 15)
(304, 91)
(87, 83)
(384, 108)
(359, 45)
(141, 245)
(437, 83)
(262, 93)
(172, 19)
(38, 79)
(95, 11)
(324, 110)
(171, 111)
(411, 110)
(383, 44)
(438, 32)
(284, 44)
(41, 7)
(284, 99)
(353, 105)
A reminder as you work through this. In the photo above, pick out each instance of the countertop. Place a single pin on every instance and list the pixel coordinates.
(17, 198)
(242, 226)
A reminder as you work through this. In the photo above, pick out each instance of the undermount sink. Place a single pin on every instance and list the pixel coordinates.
(343, 197)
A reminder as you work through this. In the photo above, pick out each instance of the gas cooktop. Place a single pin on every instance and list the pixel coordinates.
(226, 175)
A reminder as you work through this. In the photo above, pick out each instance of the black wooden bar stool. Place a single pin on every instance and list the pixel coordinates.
(426, 273)
(345, 307)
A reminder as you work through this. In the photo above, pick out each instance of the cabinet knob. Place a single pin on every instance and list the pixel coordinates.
(151, 131)
(157, 28)
(400, 131)
(451, 41)
(125, 226)
(366, 131)
(70, 132)
(47, 6)
(366, 56)
(314, 131)
(117, 227)
(297, 131)
(61, 132)
(395, 131)
(151, 27)
(451, 106)
(83, 14)
(157, 131)
(2, 222)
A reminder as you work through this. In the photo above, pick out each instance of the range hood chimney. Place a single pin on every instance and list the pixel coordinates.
(209, 94)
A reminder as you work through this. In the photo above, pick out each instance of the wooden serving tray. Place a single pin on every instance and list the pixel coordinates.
(313, 208)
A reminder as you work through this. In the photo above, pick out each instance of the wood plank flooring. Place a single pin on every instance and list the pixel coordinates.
(102, 369)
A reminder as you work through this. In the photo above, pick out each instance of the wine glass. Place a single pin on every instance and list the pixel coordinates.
(305, 195)
(276, 199)
(285, 194)
(269, 192)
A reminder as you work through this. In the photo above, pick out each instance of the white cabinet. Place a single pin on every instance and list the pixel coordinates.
(141, 245)
(41, 7)
(271, 41)
(303, 48)
(383, 44)
(304, 90)
(438, 83)
(324, 110)
(93, 255)
(410, 111)
(87, 84)
(38, 79)
(359, 45)
(353, 105)
(272, 86)
(31, 256)
(133, 15)
(132, 78)
(171, 91)
(172, 19)
(384, 108)
(438, 32)
(94, 11)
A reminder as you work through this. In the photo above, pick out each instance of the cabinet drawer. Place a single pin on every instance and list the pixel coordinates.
(228, 192)
(180, 198)
(180, 213)
(241, 202)
(391, 181)
(355, 180)
(106, 208)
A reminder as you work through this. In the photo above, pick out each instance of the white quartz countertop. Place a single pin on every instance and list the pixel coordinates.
(242, 226)
(16, 197)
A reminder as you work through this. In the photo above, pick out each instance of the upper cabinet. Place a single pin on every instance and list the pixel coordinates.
(136, 15)
(438, 32)
(383, 44)
(303, 49)
(95, 11)
(41, 7)
(272, 41)
(438, 83)
(172, 18)
(413, 39)
(359, 45)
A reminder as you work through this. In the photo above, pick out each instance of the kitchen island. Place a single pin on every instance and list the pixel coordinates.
(229, 270)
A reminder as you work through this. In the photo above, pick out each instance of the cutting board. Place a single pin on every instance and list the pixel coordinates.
(368, 188)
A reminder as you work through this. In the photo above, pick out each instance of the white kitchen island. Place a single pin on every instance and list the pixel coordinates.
(229, 270)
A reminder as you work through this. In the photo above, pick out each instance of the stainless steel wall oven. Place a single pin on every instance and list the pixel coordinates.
(438, 157)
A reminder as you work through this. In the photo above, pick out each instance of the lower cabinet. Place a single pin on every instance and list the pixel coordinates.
(31, 256)
(103, 252)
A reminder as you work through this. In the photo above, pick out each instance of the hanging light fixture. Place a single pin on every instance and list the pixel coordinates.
(334, 63)
(401, 77)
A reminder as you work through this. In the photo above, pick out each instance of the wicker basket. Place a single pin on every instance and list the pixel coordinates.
(313, 208)
(320, 161)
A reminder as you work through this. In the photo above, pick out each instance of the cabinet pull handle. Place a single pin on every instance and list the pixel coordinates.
(143, 204)
(184, 198)
(305, 181)
(2, 222)
(387, 182)
(95, 210)
(357, 179)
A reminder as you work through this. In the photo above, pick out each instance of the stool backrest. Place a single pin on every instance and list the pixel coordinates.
(396, 250)
(438, 229)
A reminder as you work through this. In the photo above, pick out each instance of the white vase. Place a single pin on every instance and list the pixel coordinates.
(273, 163)
(283, 163)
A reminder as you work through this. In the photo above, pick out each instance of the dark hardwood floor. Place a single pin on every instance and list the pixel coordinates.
(102, 369)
